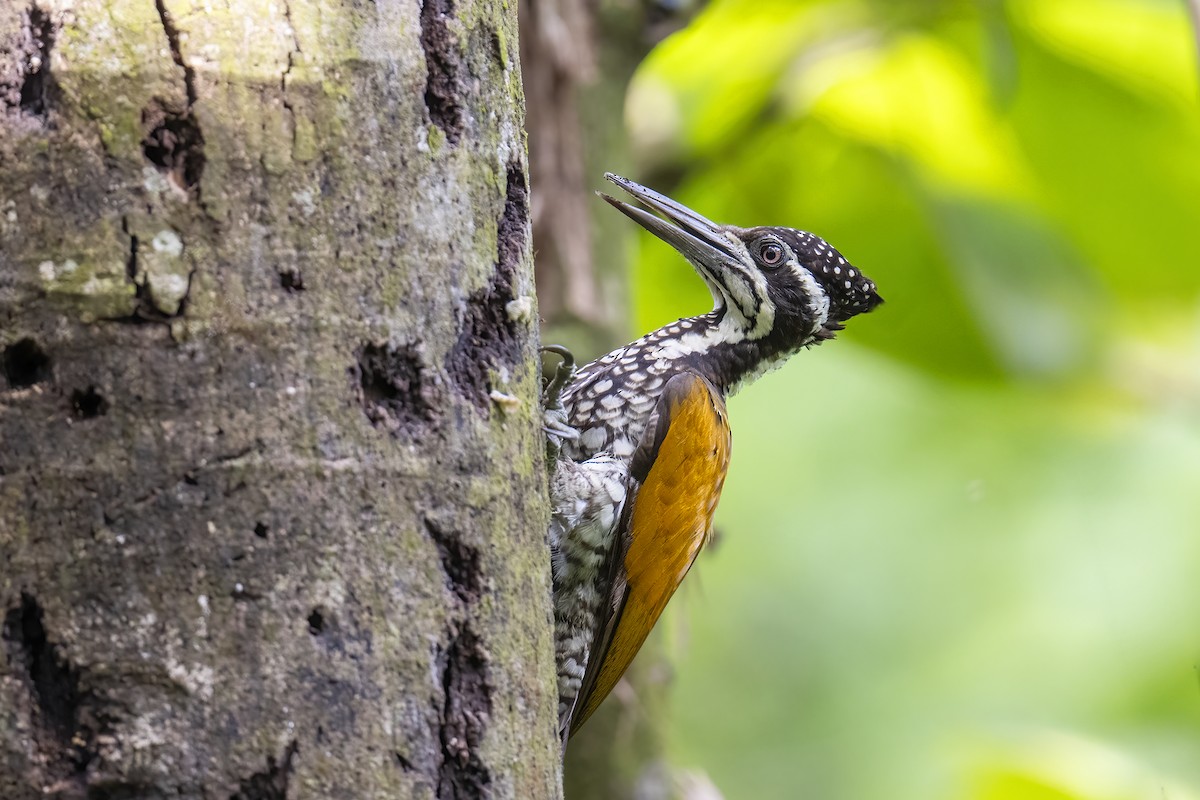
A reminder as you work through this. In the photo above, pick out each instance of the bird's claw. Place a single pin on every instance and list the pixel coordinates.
(554, 417)
(562, 374)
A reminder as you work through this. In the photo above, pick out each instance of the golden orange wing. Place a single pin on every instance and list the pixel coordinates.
(680, 465)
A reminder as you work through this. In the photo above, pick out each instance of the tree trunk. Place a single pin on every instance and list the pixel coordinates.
(272, 491)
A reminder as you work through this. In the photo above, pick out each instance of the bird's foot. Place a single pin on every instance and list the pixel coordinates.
(554, 417)
(562, 374)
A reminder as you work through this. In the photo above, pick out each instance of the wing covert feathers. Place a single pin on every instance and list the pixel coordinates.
(681, 463)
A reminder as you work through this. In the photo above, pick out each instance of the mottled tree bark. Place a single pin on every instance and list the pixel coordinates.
(272, 492)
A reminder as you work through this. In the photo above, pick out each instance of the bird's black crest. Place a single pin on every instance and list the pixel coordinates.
(850, 291)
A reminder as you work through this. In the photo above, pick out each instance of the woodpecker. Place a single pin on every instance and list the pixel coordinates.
(640, 437)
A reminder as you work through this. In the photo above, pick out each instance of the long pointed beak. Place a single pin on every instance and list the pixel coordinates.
(699, 240)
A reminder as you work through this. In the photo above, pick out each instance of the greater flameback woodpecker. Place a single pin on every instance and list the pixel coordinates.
(641, 440)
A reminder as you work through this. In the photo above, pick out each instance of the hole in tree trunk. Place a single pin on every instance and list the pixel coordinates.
(25, 363)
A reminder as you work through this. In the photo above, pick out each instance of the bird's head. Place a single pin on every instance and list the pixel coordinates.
(769, 282)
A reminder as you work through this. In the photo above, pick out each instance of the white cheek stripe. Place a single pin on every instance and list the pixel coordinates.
(766, 309)
(742, 296)
(818, 300)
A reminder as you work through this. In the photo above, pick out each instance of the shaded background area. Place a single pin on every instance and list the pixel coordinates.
(961, 544)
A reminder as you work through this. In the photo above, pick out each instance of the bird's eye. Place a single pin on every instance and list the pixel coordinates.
(771, 254)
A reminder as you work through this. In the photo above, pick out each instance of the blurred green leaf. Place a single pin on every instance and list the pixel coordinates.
(1120, 172)
(962, 541)
(1030, 291)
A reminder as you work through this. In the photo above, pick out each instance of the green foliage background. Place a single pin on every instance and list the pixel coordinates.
(961, 544)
